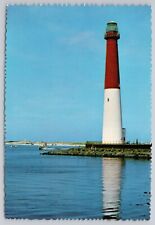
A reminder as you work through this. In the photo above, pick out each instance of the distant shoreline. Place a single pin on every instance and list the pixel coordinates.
(42, 143)
(39, 143)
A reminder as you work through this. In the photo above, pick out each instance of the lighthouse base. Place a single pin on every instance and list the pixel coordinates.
(112, 124)
(112, 142)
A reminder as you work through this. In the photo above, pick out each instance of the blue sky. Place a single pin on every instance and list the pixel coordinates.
(55, 71)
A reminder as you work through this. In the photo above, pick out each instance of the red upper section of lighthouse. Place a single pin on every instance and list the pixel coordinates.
(112, 79)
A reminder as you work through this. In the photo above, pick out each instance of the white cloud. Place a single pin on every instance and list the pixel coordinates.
(86, 39)
(81, 37)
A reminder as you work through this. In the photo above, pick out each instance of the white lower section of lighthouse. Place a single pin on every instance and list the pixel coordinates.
(112, 122)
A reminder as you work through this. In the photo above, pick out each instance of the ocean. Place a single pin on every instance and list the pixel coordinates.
(73, 187)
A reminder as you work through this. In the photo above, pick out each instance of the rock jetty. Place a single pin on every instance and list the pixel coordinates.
(127, 151)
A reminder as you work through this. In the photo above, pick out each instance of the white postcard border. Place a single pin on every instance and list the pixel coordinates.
(3, 4)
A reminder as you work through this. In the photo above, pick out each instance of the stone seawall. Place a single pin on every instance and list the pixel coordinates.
(129, 151)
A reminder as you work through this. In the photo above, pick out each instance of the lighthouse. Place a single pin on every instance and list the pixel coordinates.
(112, 118)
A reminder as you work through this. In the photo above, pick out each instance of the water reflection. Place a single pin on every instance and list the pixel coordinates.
(61, 187)
(111, 176)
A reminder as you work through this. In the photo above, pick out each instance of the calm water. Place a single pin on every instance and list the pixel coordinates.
(48, 187)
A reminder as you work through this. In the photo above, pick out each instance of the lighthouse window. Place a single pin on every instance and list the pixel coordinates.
(108, 99)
